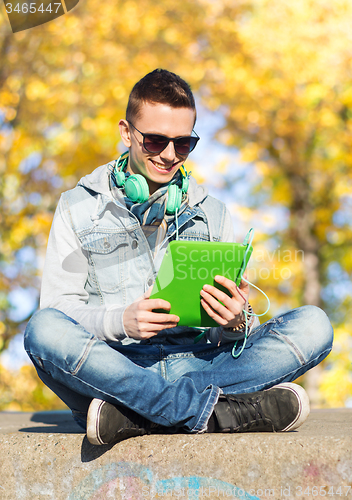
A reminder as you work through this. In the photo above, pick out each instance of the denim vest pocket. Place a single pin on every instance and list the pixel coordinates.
(108, 259)
(194, 230)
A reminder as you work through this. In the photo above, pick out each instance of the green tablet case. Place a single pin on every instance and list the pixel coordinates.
(187, 266)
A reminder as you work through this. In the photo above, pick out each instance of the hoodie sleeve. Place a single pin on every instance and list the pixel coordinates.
(63, 283)
(228, 232)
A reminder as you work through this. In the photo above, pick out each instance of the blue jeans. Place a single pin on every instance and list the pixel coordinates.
(172, 385)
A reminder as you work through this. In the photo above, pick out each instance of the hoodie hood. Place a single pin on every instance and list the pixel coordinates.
(99, 182)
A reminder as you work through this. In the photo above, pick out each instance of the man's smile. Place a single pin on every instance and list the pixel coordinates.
(161, 166)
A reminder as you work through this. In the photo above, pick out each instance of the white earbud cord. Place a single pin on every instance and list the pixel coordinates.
(246, 314)
(176, 221)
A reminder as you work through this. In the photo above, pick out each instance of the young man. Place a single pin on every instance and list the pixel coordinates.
(124, 369)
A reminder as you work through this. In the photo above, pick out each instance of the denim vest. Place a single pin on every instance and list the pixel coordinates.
(120, 263)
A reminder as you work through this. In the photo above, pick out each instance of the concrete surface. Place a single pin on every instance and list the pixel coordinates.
(44, 455)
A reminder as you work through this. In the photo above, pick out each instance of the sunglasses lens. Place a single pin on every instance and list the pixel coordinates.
(155, 143)
(185, 145)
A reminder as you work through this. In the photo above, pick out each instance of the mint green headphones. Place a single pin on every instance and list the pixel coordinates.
(137, 190)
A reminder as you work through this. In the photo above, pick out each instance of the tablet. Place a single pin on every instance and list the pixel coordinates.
(187, 266)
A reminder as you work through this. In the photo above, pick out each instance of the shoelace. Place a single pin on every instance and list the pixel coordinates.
(134, 421)
(245, 411)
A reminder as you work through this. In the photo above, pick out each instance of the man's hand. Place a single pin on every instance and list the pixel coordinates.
(141, 322)
(228, 314)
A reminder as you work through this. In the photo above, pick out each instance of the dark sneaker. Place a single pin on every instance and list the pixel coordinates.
(283, 407)
(107, 423)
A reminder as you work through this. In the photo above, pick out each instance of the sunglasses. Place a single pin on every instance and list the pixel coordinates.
(155, 143)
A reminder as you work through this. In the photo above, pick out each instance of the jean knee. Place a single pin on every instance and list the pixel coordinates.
(307, 331)
(39, 329)
(319, 327)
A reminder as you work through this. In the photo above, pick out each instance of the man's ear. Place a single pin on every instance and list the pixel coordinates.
(125, 133)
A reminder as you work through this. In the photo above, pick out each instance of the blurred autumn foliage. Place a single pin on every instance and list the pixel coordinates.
(21, 391)
(277, 71)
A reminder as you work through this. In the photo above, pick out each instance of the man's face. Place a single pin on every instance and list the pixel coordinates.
(159, 119)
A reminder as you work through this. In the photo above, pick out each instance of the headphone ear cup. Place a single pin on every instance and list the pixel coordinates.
(174, 199)
(120, 178)
(120, 166)
(136, 188)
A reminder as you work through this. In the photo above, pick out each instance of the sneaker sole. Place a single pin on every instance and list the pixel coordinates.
(93, 421)
(304, 405)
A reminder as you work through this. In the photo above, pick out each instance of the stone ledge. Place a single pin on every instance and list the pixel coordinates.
(44, 455)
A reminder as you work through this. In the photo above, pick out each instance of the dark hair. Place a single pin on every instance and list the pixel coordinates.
(160, 86)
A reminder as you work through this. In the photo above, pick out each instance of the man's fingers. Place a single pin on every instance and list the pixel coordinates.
(211, 293)
(237, 292)
(229, 284)
(149, 330)
(223, 311)
(141, 321)
(146, 294)
(161, 318)
(151, 304)
(144, 315)
(216, 317)
(157, 327)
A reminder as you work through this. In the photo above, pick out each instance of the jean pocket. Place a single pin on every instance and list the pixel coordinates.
(265, 327)
(292, 346)
(36, 360)
(109, 256)
(74, 362)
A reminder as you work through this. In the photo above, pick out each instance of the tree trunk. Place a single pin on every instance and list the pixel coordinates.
(302, 232)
